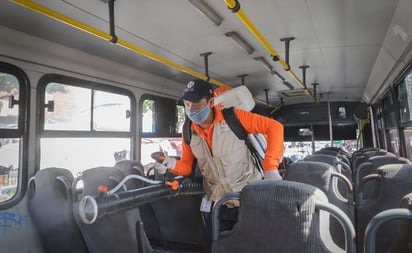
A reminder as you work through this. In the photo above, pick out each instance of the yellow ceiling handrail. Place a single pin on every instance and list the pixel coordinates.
(235, 7)
(100, 34)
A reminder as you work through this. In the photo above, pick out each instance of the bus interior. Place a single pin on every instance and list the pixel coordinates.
(90, 94)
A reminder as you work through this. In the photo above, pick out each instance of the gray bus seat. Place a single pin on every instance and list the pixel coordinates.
(332, 160)
(341, 166)
(117, 232)
(50, 207)
(151, 226)
(340, 152)
(325, 177)
(366, 149)
(343, 157)
(370, 166)
(170, 223)
(359, 158)
(403, 214)
(131, 167)
(392, 182)
(280, 216)
(179, 222)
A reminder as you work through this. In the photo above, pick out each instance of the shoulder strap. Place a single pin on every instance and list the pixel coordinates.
(236, 126)
(187, 137)
(231, 119)
(234, 123)
(187, 132)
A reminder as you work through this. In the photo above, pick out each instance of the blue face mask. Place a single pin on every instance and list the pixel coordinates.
(198, 116)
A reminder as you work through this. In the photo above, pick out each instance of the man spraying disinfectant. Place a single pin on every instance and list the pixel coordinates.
(225, 161)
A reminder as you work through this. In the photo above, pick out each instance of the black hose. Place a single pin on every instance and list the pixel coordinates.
(92, 208)
(191, 186)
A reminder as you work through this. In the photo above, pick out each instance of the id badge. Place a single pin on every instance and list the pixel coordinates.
(206, 205)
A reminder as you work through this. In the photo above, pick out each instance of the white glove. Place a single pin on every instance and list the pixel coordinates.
(272, 175)
(160, 168)
(169, 162)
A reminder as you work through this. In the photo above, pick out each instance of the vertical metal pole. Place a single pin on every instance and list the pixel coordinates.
(304, 67)
(287, 44)
(242, 78)
(111, 21)
(314, 90)
(205, 56)
(267, 96)
(313, 139)
(373, 128)
(330, 123)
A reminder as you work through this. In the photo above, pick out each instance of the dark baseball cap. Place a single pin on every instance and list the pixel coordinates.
(196, 90)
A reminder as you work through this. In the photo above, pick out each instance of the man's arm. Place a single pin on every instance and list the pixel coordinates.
(184, 165)
(273, 131)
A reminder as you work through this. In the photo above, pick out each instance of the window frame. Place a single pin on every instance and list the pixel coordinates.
(21, 131)
(76, 82)
(157, 134)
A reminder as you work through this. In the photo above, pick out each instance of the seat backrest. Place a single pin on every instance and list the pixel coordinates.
(393, 181)
(345, 158)
(321, 175)
(278, 216)
(183, 231)
(343, 167)
(50, 206)
(375, 162)
(112, 233)
(131, 167)
(403, 241)
(361, 157)
(150, 223)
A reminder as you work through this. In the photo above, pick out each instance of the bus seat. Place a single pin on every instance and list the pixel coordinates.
(179, 222)
(341, 156)
(403, 241)
(150, 223)
(184, 231)
(343, 167)
(321, 175)
(279, 216)
(116, 232)
(370, 166)
(131, 167)
(325, 177)
(392, 182)
(50, 208)
(360, 157)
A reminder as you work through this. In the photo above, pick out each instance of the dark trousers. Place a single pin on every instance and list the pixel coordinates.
(227, 219)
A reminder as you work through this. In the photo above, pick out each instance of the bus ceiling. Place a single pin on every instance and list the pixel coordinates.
(329, 41)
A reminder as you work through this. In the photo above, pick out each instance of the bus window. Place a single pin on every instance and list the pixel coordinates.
(407, 133)
(84, 126)
(394, 141)
(404, 91)
(380, 127)
(161, 127)
(12, 104)
(148, 116)
(389, 115)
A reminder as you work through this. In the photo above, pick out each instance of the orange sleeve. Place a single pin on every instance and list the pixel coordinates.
(272, 129)
(185, 164)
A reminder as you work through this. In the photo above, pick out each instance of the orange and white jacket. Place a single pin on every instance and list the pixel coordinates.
(224, 160)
